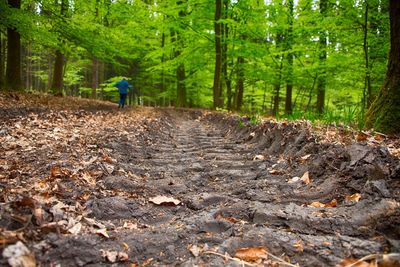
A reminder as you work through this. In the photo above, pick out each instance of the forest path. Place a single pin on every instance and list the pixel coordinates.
(236, 185)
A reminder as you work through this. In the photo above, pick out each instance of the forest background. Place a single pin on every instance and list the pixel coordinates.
(310, 59)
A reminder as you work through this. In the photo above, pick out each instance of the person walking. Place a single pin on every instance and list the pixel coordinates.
(123, 89)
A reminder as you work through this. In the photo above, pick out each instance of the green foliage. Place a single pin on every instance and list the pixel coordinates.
(148, 40)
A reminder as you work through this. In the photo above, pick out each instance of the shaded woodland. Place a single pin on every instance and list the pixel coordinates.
(309, 59)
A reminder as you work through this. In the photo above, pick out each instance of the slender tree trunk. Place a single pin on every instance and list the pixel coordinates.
(384, 113)
(367, 92)
(225, 36)
(239, 84)
(321, 83)
(181, 87)
(289, 77)
(95, 76)
(13, 70)
(218, 55)
(278, 76)
(181, 100)
(57, 84)
(2, 61)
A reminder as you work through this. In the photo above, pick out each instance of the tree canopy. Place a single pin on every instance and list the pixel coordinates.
(302, 58)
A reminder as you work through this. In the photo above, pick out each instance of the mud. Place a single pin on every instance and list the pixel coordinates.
(236, 185)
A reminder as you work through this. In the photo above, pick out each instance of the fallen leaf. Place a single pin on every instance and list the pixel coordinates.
(111, 256)
(163, 200)
(317, 204)
(109, 168)
(123, 256)
(18, 255)
(252, 254)
(276, 172)
(353, 198)
(361, 136)
(102, 232)
(304, 158)
(355, 263)
(87, 177)
(299, 246)
(147, 262)
(259, 157)
(390, 260)
(195, 250)
(75, 229)
(305, 178)
(331, 204)
(294, 180)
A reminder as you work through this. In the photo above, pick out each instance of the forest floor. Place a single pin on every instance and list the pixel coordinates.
(85, 184)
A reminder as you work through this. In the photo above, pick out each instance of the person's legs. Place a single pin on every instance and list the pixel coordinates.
(122, 100)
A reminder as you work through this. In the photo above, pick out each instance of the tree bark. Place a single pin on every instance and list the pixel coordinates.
(2, 61)
(239, 84)
(289, 77)
(225, 36)
(384, 113)
(57, 84)
(217, 92)
(13, 69)
(323, 6)
(181, 87)
(95, 76)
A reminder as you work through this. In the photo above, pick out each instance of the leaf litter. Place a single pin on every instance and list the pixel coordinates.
(148, 187)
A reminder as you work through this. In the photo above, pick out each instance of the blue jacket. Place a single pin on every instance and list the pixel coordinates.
(123, 86)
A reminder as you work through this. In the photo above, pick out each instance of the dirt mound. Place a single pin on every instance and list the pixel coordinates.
(175, 187)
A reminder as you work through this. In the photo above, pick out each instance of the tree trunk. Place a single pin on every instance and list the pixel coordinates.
(225, 36)
(95, 77)
(239, 84)
(323, 6)
(57, 84)
(367, 92)
(217, 92)
(181, 87)
(289, 77)
(13, 70)
(384, 113)
(2, 61)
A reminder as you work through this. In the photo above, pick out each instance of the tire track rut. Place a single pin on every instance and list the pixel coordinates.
(229, 199)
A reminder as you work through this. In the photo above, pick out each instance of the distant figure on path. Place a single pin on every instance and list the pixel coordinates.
(123, 88)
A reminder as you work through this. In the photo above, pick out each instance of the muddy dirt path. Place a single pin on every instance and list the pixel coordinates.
(273, 185)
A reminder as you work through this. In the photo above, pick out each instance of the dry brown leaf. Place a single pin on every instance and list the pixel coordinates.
(163, 200)
(195, 250)
(317, 204)
(18, 255)
(331, 204)
(353, 198)
(305, 178)
(147, 262)
(294, 180)
(87, 177)
(259, 157)
(102, 232)
(252, 254)
(227, 219)
(355, 263)
(361, 136)
(304, 158)
(75, 229)
(299, 246)
(275, 172)
(111, 256)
